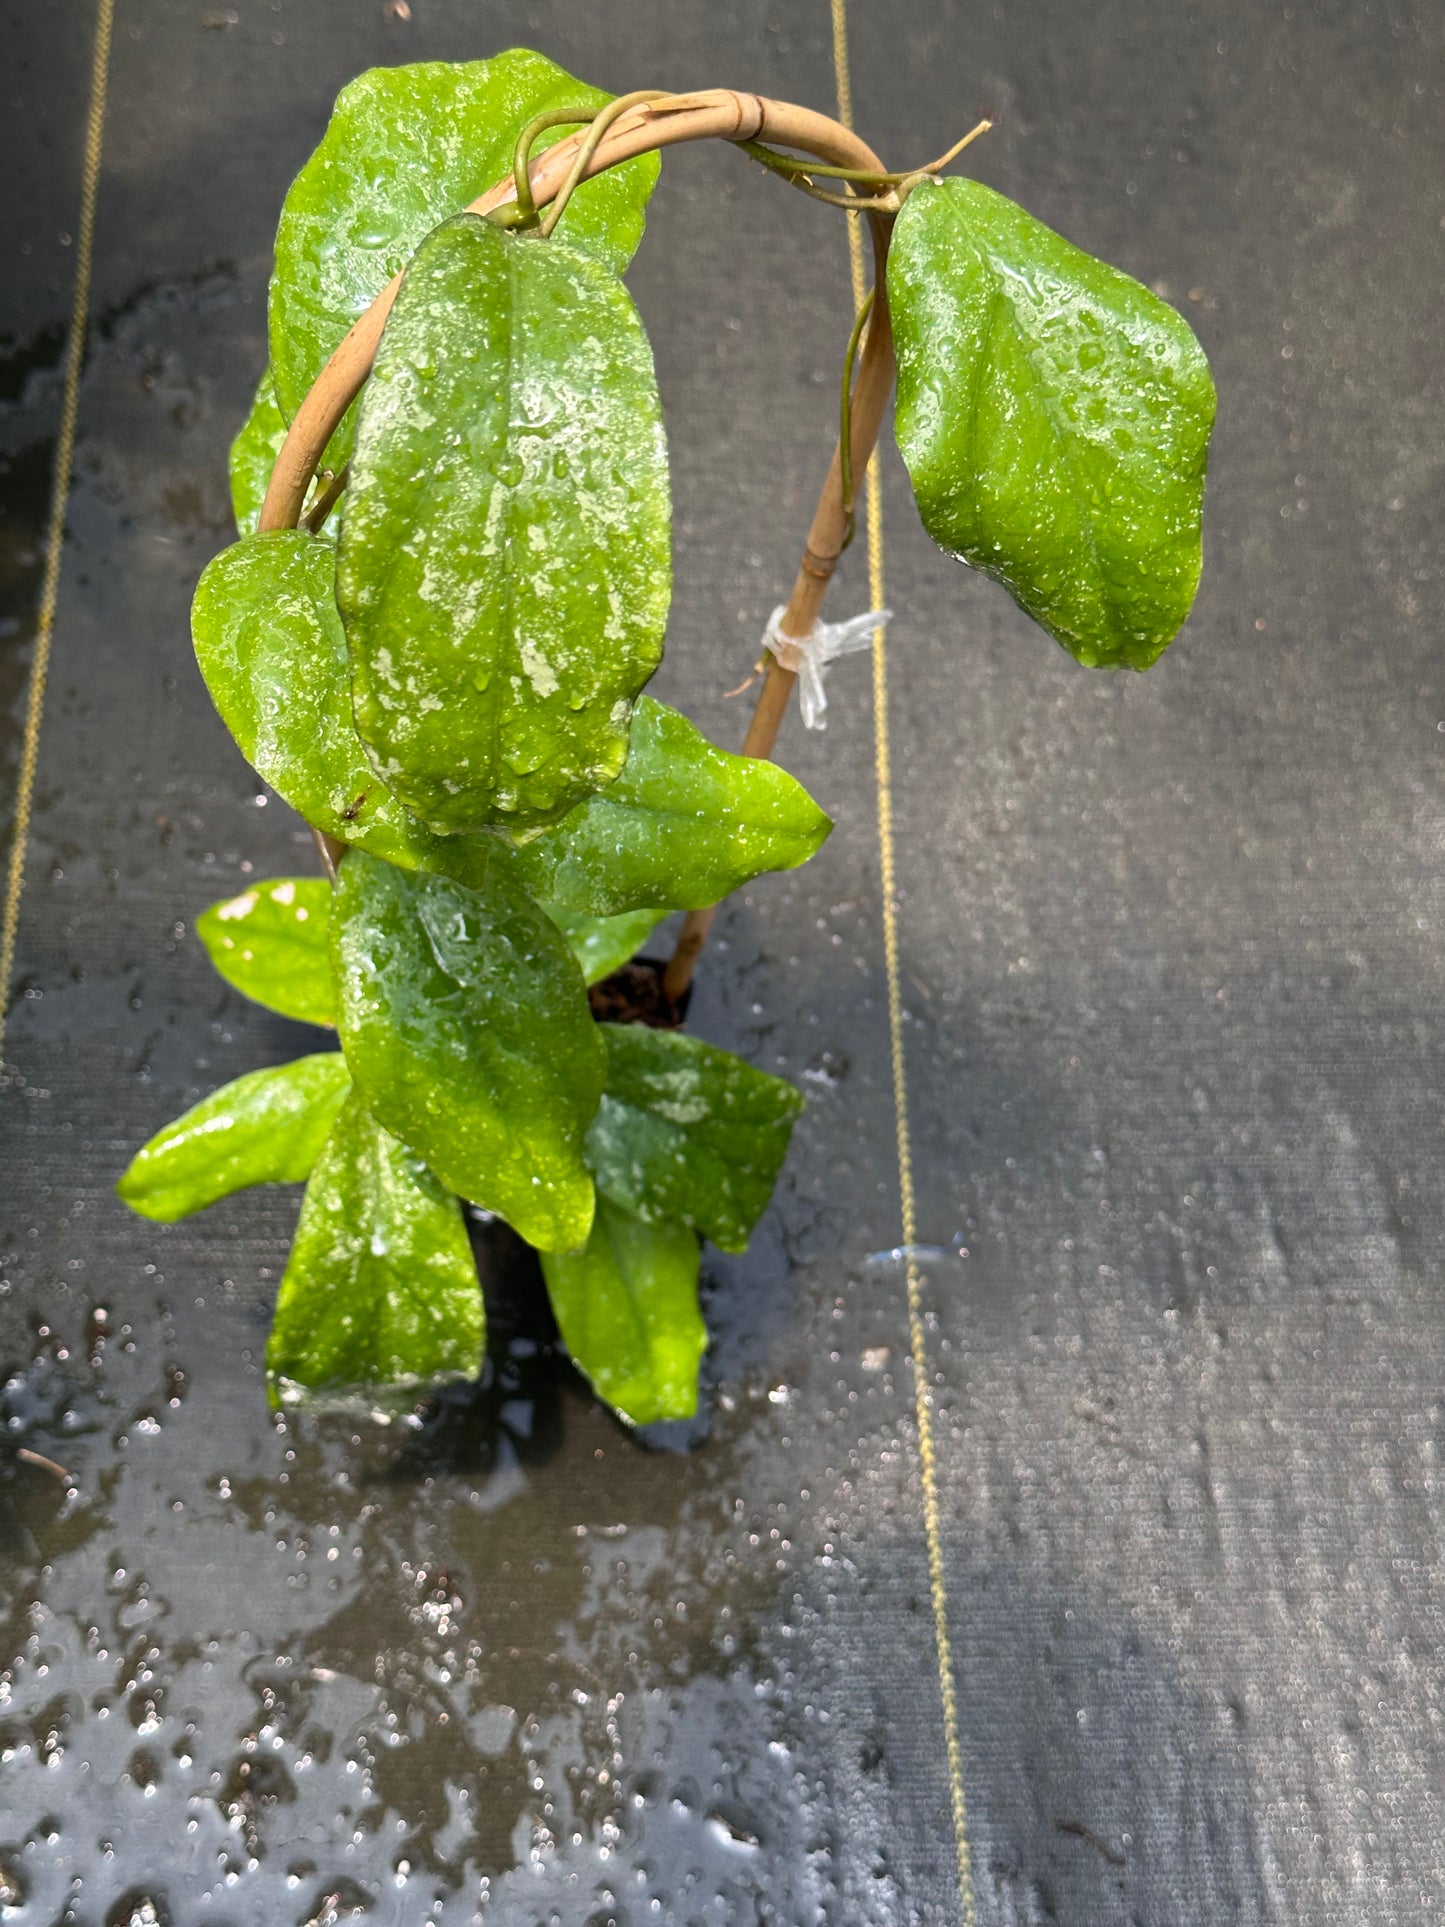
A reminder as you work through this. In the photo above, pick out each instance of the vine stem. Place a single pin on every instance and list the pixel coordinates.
(716, 114)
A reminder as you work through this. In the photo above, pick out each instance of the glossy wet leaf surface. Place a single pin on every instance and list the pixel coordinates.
(504, 562)
(271, 648)
(464, 1018)
(405, 148)
(684, 824)
(1054, 416)
(689, 1134)
(381, 1286)
(270, 943)
(264, 1128)
(627, 1310)
(603, 944)
(253, 455)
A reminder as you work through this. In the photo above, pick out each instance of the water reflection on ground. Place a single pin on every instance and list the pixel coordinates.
(501, 1657)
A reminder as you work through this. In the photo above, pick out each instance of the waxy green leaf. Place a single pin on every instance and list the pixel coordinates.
(271, 649)
(504, 563)
(684, 824)
(270, 943)
(405, 148)
(265, 1128)
(1054, 416)
(253, 455)
(603, 944)
(464, 1019)
(689, 1134)
(626, 1306)
(381, 1287)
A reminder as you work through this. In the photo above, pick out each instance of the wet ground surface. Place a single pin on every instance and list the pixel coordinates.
(1172, 965)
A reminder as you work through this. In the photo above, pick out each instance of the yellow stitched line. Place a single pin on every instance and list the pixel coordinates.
(59, 501)
(917, 1337)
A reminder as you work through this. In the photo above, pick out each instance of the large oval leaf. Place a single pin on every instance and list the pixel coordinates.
(689, 1134)
(381, 1287)
(406, 147)
(503, 568)
(626, 1306)
(1054, 416)
(265, 1128)
(684, 824)
(464, 1019)
(271, 649)
(270, 943)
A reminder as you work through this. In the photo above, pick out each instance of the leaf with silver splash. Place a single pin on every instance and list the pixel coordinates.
(683, 825)
(464, 1019)
(504, 562)
(689, 1134)
(381, 1287)
(272, 651)
(1054, 416)
(406, 147)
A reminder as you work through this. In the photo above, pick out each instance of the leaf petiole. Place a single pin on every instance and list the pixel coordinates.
(611, 113)
(524, 214)
(845, 413)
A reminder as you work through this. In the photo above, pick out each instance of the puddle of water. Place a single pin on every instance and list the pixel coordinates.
(308, 1667)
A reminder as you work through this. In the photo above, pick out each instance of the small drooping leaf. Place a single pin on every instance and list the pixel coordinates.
(270, 943)
(265, 1128)
(464, 1019)
(381, 1287)
(689, 1134)
(271, 649)
(626, 1306)
(504, 562)
(603, 944)
(684, 824)
(253, 455)
(405, 148)
(1054, 416)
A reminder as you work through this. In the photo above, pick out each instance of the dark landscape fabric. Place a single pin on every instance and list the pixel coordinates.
(1170, 965)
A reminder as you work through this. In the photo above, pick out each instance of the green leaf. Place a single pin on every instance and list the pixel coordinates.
(253, 455)
(1054, 416)
(270, 943)
(405, 148)
(689, 1134)
(603, 944)
(381, 1287)
(504, 562)
(464, 1019)
(271, 649)
(627, 1310)
(684, 824)
(265, 1128)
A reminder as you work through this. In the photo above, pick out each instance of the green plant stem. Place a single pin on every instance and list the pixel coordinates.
(526, 208)
(591, 141)
(845, 413)
(792, 164)
(800, 173)
(800, 178)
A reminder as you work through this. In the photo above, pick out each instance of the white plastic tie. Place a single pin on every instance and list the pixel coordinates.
(808, 656)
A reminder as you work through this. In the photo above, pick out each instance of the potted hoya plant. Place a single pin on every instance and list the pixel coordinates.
(433, 640)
